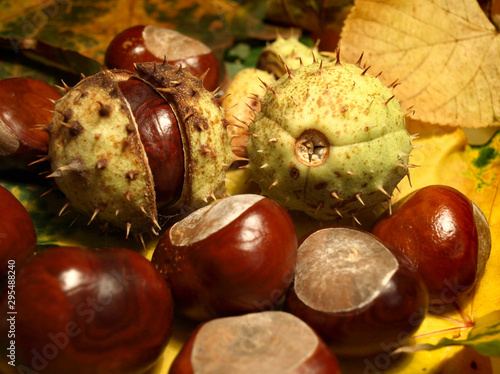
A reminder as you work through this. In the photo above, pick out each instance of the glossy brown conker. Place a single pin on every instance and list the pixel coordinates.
(436, 228)
(88, 310)
(151, 43)
(26, 108)
(18, 237)
(355, 293)
(234, 256)
(160, 136)
(267, 342)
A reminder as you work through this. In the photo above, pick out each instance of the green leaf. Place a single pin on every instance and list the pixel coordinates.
(243, 55)
(485, 336)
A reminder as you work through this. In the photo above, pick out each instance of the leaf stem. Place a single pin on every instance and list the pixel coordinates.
(437, 332)
(461, 323)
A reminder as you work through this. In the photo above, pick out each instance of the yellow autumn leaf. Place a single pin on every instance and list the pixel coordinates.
(446, 54)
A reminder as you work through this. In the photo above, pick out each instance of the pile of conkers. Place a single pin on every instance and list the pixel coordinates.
(236, 267)
(263, 300)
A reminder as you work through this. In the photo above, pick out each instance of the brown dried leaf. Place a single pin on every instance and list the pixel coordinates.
(446, 54)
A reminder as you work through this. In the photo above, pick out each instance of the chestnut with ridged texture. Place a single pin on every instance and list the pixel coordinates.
(18, 237)
(26, 107)
(234, 256)
(88, 311)
(443, 234)
(160, 136)
(151, 43)
(355, 293)
(267, 342)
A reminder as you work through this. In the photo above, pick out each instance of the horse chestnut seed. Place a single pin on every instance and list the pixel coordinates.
(87, 311)
(234, 256)
(26, 108)
(18, 237)
(354, 292)
(443, 234)
(160, 136)
(151, 43)
(266, 342)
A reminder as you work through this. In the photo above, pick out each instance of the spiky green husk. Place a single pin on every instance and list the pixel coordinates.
(360, 157)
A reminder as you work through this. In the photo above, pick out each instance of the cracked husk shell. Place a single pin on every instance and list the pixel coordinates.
(99, 162)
